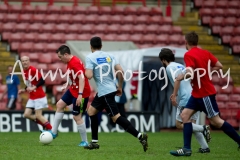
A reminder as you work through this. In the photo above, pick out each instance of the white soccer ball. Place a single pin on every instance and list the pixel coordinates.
(45, 138)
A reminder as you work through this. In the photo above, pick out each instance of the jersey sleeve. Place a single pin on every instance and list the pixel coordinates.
(212, 59)
(189, 61)
(89, 64)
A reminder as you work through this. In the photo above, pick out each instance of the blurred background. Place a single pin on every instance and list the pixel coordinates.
(36, 28)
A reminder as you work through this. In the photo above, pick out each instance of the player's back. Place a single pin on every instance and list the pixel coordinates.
(199, 59)
(103, 73)
(185, 89)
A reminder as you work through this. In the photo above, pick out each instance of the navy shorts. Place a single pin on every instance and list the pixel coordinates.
(208, 105)
(106, 102)
(69, 99)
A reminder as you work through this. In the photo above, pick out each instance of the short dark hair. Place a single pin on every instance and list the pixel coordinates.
(63, 49)
(192, 38)
(166, 54)
(96, 42)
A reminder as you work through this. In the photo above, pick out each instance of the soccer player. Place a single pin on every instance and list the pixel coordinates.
(182, 92)
(77, 94)
(37, 98)
(13, 85)
(203, 93)
(101, 66)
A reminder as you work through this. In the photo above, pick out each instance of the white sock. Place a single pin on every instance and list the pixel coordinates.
(201, 140)
(57, 120)
(139, 135)
(197, 128)
(82, 130)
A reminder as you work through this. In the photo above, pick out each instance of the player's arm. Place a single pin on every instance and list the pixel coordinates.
(89, 68)
(217, 66)
(119, 75)
(41, 82)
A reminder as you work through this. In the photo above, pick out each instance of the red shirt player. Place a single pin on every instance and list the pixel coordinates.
(199, 63)
(77, 94)
(37, 98)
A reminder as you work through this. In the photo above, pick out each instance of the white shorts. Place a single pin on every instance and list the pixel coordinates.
(178, 117)
(37, 104)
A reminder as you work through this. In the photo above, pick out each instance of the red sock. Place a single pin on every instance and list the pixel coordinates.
(38, 122)
(47, 125)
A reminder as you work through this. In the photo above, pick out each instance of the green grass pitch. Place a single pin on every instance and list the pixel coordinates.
(113, 146)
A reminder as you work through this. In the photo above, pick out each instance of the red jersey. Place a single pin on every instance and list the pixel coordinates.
(76, 67)
(32, 80)
(198, 58)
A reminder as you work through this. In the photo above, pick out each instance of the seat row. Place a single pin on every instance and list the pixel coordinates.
(38, 28)
(227, 12)
(217, 3)
(85, 19)
(107, 10)
(220, 21)
(228, 98)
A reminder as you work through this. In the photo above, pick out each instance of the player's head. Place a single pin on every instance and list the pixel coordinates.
(10, 68)
(96, 43)
(166, 56)
(25, 61)
(191, 39)
(63, 53)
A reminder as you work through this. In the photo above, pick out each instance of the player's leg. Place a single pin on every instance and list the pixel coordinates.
(40, 104)
(92, 111)
(77, 116)
(212, 112)
(112, 110)
(11, 104)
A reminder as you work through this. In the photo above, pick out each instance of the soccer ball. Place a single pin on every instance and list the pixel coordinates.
(45, 137)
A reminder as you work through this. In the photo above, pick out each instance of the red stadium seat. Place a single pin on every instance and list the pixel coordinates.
(53, 9)
(226, 39)
(39, 47)
(216, 29)
(64, 18)
(149, 39)
(164, 29)
(45, 58)
(236, 49)
(21, 27)
(236, 31)
(25, 47)
(232, 12)
(224, 81)
(7, 27)
(92, 10)
(3, 88)
(208, 4)
(215, 79)
(221, 105)
(30, 37)
(123, 37)
(143, 10)
(136, 38)
(54, 56)
(231, 105)
(142, 19)
(85, 36)
(25, 18)
(87, 28)
(43, 37)
(206, 20)
(52, 47)
(40, 9)
(15, 37)
(218, 12)
(140, 28)
(228, 30)
(13, 17)
(156, 11)
(109, 37)
(38, 18)
(105, 10)
(152, 28)
(126, 28)
(176, 30)
(34, 56)
(15, 8)
(115, 19)
(103, 19)
(57, 37)
(113, 28)
(14, 46)
(236, 90)
(61, 28)
(221, 4)
(162, 39)
(77, 19)
(79, 10)
(229, 21)
(4, 8)
(101, 28)
(205, 12)
(216, 21)
(130, 10)
(48, 28)
(225, 113)
(70, 36)
(93, 19)
(167, 20)
(234, 98)
(129, 19)
(51, 18)
(222, 97)
(228, 90)
(67, 9)
(233, 4)
(28, 9)
(118, 10)
(74, 28)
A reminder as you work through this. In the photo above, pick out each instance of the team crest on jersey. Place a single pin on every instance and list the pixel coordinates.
(180, 67)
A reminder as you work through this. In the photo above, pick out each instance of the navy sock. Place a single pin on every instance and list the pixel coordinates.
(230, 131)
(94, 127)
(123, 122)
(187, 135)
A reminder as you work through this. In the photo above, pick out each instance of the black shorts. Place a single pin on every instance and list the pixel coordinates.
(69, 99)
(106, 102)
(11, 103)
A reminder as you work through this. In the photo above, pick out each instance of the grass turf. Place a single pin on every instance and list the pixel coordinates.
(116, 146)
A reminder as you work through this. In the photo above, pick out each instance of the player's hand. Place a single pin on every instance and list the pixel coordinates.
(21, 91)
(30, 89)
(173, 99)
(119, 92)
(79, 100)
